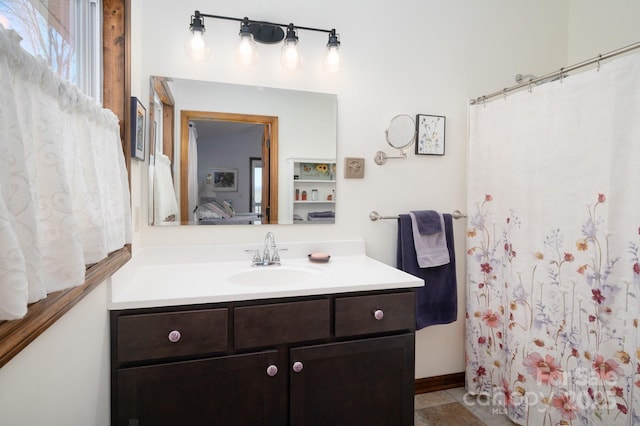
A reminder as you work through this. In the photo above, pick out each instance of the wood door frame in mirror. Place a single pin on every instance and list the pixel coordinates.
(272, 163)
(160, 88)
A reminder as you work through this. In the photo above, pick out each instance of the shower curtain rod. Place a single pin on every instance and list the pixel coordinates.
(561, 73)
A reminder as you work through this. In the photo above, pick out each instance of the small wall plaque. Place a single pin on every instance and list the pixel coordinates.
(353, 167)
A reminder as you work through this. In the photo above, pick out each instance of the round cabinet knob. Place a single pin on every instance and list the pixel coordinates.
(378, 314)
(174, 336)
(272, 370)
(297, 366)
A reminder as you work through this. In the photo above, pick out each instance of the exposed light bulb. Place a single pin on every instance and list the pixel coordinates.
(197, 42)
(246, 50)
(332, 59)
(196, 47)
(290, 58)
(332, 54)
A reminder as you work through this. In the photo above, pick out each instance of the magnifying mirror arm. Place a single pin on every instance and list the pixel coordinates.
(381, 157)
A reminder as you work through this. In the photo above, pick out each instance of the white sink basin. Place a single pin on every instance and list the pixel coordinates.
(262, 276)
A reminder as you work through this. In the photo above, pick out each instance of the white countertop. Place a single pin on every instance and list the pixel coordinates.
(170, 276)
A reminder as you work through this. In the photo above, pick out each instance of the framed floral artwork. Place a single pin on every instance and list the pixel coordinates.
(430, 134)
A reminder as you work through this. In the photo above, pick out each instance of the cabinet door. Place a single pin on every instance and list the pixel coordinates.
(365, 382)
(230, 390)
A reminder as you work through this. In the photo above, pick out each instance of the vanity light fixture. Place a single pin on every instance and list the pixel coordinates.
(332, 55)
(266, 33)
(246, 51)
(290, 58)
(196, 46)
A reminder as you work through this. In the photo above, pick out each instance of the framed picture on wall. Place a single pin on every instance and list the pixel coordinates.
(430, 134)
(224, 179)
(138, 118)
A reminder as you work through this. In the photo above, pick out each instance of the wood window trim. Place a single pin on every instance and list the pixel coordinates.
(17, 334)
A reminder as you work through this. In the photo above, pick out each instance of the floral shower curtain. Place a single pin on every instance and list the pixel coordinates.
(553, 248)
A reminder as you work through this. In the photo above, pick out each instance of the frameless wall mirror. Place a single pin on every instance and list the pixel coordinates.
(233, 151)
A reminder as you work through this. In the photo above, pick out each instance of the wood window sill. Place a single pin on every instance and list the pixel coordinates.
(17, 334)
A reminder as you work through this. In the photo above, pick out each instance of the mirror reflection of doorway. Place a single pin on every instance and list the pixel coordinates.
(245, 199)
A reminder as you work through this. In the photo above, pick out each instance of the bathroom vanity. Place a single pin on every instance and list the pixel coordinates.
(335, 348)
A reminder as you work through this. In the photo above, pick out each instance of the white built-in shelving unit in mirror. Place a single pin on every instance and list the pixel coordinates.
(313, 190)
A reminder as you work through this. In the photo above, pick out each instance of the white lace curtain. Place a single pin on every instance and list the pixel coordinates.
(64, 195)
(553, 250)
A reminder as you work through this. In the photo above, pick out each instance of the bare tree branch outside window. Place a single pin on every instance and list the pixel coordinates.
(46, 29)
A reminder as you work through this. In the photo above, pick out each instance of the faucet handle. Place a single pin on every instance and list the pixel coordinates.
(256, 256)
(275, 259)
(276, 256)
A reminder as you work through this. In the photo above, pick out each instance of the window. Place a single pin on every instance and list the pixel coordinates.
(16, 335)
(66, 33)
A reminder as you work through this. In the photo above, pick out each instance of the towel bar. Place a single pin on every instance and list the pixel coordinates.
(374, 215)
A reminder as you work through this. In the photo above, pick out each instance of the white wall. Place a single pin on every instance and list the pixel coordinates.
(408, 57)
(596, 27)
(402, 57)
(62, 378)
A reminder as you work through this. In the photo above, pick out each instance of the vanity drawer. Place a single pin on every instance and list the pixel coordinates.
(171, 334)
(374, 314)
(274, 324)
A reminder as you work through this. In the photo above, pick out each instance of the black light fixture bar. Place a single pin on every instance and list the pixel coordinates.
(198, 14)
(267, 33)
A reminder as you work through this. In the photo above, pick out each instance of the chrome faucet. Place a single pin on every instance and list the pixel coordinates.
(269, 242)
(270, 254)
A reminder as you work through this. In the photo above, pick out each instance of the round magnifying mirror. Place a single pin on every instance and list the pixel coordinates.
(401, 132)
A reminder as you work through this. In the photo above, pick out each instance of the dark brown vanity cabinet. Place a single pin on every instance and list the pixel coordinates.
(363, 382)
(344, 359)
(226, 390)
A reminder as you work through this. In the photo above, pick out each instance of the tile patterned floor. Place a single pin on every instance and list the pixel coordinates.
(452, 407)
